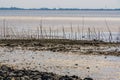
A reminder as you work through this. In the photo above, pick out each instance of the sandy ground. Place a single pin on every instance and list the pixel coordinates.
(58, 18)
(97, 67)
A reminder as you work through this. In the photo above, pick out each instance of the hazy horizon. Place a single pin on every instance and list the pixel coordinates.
(92, 4)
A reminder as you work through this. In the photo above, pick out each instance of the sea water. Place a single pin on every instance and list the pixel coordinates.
(81, 21)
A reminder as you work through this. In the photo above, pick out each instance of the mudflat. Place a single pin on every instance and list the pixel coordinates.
(60, 59)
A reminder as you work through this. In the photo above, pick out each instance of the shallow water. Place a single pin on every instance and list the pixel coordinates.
(32, 22)
(68, 13)
(27, 22)
(98, 67)
(58, 18)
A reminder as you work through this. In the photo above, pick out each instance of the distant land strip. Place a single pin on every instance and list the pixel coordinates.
(16, 8)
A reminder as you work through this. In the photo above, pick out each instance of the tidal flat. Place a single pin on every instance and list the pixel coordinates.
(98, 61)
(59, 45)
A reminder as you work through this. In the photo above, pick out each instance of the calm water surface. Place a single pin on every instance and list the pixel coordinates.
(28, 21)
(70, 13)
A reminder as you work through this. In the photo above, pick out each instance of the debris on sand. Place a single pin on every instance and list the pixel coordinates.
(7, 73)
(83, 47)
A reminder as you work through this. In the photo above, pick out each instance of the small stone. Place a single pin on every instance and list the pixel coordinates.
(1, 78)
(105, 57)
(25, 78)
(87, 67)
(65, 78)
(11, 74)
(18, 73)
(1, 73)
(17, 78)
(74, 76)
(7, 78)
(5, 68)
(76, 64)
(12, 78)
(36, 77)
(47, 77)
(96, 66)
(88, 78)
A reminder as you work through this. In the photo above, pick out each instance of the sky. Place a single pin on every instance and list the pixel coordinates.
(61, 3)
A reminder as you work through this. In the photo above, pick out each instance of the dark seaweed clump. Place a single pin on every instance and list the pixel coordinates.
(7, 73)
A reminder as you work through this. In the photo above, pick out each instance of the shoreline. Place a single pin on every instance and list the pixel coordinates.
(88, 18)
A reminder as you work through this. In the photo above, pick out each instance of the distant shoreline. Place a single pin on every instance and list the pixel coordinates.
(15, 8)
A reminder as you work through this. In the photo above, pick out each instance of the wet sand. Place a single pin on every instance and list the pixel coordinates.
(97, 67)
(95, 59)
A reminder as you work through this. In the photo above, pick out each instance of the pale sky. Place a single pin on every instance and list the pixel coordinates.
(61, 3)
